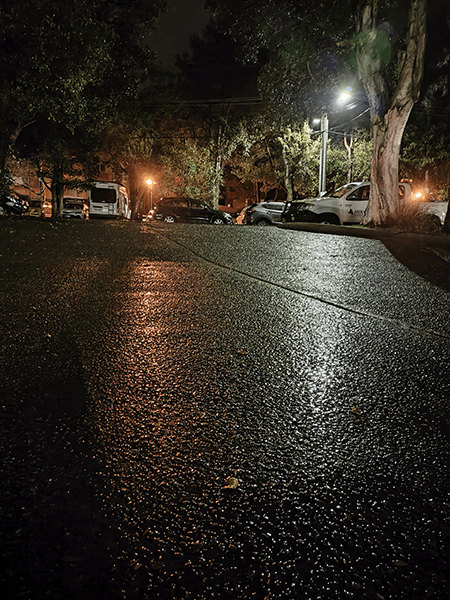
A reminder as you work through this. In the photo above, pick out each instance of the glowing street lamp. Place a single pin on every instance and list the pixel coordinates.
(345, 96)
(343, 99)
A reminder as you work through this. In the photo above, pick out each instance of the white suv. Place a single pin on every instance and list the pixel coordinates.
(347, 205)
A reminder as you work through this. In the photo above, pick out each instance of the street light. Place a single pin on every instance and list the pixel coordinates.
(323, 155)
(150, 183)
(343, 99)
(345, 96)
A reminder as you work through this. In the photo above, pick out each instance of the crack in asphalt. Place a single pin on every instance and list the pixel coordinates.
(344, 307)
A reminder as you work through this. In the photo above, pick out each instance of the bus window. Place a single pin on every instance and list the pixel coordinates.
(107, 195)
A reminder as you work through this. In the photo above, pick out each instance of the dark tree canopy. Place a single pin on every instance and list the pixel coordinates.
(304, 50)
(69, 61)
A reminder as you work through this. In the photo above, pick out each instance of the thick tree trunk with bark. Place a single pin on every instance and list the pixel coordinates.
(389, 112)
(57, 189)
(387, 137)
(57, 199)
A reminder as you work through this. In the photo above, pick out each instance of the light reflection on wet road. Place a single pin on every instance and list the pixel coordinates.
(331, 420)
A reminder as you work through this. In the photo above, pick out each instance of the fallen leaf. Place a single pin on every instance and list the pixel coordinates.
(400, 563)
(231, 483)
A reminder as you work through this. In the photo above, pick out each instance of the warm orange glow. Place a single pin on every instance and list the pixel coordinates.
(149, 182)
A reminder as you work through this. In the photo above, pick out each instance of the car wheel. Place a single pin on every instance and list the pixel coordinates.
(169, 219)
(328, 219)
(218, 221)
(263, 223)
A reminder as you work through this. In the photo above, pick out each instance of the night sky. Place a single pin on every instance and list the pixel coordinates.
(183, 19)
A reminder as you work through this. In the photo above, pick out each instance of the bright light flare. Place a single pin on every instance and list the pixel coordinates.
(345, 96)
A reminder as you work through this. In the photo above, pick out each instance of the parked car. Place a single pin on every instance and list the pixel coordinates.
(347, 205)
(187, 210)
(263, 213)
(74, 208)
(34, 209)
(47, 208)
(39, 209)
(241, 216)
(12, 204)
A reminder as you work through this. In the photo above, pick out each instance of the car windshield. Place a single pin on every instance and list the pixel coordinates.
(342, 190)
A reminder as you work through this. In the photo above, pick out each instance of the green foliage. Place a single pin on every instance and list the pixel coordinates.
(425, 158)
(424, 149)
(362, 155)
(303, 49)
(51, 53)
(302, 152)
(70, 63)
(189, 166)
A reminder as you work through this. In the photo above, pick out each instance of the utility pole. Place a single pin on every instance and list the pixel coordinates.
(323, 155)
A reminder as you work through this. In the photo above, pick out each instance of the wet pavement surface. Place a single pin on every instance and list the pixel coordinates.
(203, 412)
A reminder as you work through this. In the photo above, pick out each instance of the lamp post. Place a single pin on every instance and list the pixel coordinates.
(150, 183)
(343, 99)
(323, 155)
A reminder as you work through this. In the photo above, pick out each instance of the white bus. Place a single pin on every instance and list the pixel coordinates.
(109, 200)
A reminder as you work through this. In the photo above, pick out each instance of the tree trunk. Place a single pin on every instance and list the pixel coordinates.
(134, 171)
(7, 140)
(217, 169)
(217, 181)
(387, 137)
(287, 174)
(349, 147)
(57, 189)
(389, 115)
(57, 199)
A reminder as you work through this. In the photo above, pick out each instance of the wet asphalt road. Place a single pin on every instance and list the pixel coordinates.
(311, 370)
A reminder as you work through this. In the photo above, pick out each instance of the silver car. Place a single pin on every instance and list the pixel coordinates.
(264, 213)
(74, 208)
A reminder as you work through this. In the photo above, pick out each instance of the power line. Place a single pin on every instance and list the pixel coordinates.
(351, 120)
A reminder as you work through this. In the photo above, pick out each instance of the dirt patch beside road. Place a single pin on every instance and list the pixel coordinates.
(428, 256)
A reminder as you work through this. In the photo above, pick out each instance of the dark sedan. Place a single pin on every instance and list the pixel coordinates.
(187, 210)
